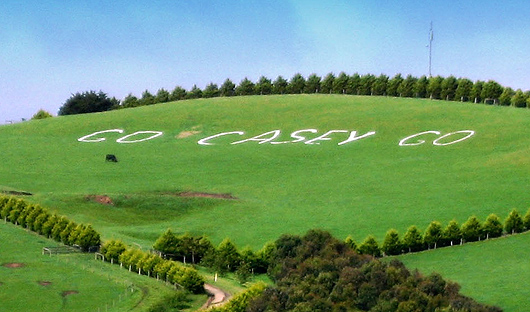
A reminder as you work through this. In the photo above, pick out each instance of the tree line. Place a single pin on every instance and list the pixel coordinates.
(438, 87)
(40, 220)
(435, 235)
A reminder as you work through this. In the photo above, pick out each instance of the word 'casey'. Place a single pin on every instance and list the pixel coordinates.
(299, 136)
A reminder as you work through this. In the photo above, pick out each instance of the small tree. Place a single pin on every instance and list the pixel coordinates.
(413, 240)
(59, 226)
(472, 229)
(113, 249)
(228, 88)
(179, 93)
(88, 238)
(312, 84)
(433, 234)
(279, 86)
(514, 223)
(245, 87)
(297, 84)
(227, 257)
(264, 86)
(162, 96)
(370, 247)
(211, 90)
(526, 220)
(392, 244)
(326, 85)
(452, 233)
(492, 226)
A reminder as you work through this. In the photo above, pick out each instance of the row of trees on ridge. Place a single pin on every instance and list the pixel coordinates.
(444, 88)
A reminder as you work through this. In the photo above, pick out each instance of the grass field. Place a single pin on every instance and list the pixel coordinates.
(492, 272)
(363, 187)
(31, 281)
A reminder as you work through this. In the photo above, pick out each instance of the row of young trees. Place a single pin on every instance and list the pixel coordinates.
(153, 265)
(226, 257)
(438, 236)
(40, 220)
(446, 88)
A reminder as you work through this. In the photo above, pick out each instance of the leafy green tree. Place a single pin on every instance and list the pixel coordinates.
(40, 220)
(130, 101)
(245, 87)
(420, 87)
(327, 83)
(393, 85)
(452, 233)
(380, 84)
(147, 98)
(449, 86)
(211, 90)
(505, 99)
(355, 82)
(162, 96)
(519, 99)
(263, 86)
(476, 91)
(296, 84)
(492, 227)
(167, 243)
(370, 247)
(413, 239)
(227, 256)
(87, 102)
(340, 83)
(59, 226)
(433, 234)
(312, 84)
(41, 114)
(463, 90)
(195, 93)
(392, 244)
(228, 88)
(366, 83)
(178, 93)
(472, 229)
(434, 88)
(514, 223)
(88, 238)
(406, 87)
(491, 90)
(279, 86)
(112, 250)
(47, 227)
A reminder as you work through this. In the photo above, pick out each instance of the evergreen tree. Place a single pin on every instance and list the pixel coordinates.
(452, 233)
(514, 223)
(505, 99)
(227, 256)
(519, 99)
(492, 226)
(406, 87)
(195, 93)
(420, 87)
(472, 229)
(380, 85)
(366, 83)
(130, 101)
(433, 234)
(476, 92)
(449, 86)
(413, 240)
(463, 90)
(370, 247)
(350, 243)
(327, 83)
(178, 93)
(88, 102)
(211, 90)
(312, 84)
(354, 84)
(297, 84)
(392, 244)
(264, 86)
(245, 87)
(434, 88)
(340, 83)
(228, 88)
(162, 96)
(279, 86)
(147, 98)
(393, 85)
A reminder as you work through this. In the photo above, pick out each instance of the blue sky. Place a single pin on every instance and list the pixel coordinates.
(52, 49)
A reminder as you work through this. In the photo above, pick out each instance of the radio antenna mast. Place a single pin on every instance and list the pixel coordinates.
(431, 38)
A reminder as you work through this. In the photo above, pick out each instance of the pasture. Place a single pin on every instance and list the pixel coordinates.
(362, 187)
(68, 282)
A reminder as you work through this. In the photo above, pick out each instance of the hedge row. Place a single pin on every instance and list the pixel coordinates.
(40, 220)
(153, 265)
(437, 236)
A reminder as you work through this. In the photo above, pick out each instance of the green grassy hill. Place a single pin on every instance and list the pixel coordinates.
(363, 187)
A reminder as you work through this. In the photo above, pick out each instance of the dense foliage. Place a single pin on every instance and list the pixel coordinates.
(316, 272)
(88, 102)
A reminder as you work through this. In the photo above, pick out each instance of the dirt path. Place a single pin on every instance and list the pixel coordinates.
(218, 296)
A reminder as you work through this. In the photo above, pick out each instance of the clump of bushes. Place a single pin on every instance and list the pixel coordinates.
(40, 220)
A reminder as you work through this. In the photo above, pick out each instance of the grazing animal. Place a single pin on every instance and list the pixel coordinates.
(111, 157)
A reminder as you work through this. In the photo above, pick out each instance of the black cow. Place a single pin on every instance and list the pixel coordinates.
(111, 157)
